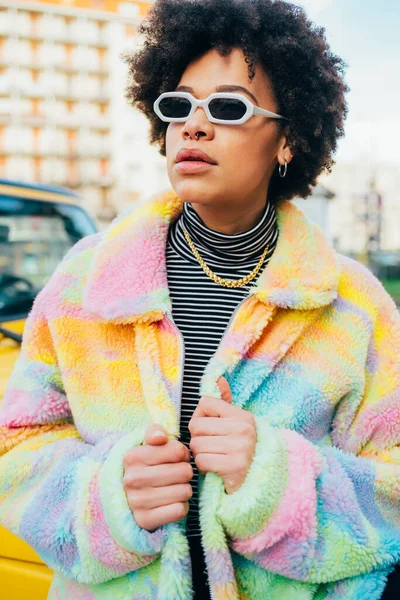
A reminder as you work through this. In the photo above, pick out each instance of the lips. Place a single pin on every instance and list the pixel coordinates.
(194, 155)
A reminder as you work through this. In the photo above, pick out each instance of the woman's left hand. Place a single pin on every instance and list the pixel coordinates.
(223, 438)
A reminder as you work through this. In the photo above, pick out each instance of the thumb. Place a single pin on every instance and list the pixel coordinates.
(225, 390)
(156, 435)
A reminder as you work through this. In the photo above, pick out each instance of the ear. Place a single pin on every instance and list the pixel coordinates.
(284, 152)
(225, 390)
(284, 155)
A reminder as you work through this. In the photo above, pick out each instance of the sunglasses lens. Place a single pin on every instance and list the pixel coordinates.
(227, 109)
(175, 107)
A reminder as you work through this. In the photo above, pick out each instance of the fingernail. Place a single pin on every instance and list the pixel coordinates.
(157, 433)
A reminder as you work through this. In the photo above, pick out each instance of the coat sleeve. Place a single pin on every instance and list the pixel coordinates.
(324, 513)
(63, 496)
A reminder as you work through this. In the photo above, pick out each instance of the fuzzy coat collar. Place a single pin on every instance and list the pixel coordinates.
(127, 279)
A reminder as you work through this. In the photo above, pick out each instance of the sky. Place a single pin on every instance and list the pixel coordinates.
(366, 34)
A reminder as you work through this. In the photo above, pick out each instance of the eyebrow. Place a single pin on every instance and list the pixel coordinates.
(221, 88)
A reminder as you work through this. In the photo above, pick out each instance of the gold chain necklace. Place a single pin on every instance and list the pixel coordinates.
(231, 283)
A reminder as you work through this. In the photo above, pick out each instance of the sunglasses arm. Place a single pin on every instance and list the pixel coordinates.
(267, 113)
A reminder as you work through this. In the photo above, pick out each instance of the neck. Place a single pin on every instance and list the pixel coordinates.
(228, 220)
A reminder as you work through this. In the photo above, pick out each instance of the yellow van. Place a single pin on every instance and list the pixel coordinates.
(38, 224)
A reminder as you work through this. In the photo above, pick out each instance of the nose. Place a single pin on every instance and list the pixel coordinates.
(198, 126)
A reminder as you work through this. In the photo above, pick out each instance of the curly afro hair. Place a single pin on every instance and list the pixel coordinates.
(308, 80)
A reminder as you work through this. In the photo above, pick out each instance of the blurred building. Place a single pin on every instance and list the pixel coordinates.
(63, 115)
(365, 215)
(318, 208)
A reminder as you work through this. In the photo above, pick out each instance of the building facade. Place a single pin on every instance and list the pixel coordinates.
(63, 115)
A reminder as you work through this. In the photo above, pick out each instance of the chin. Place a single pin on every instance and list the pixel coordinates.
(194, 190)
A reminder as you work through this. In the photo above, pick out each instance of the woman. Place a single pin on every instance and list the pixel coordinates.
(206, 403)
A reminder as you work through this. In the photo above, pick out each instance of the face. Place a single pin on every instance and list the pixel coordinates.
(245, 155)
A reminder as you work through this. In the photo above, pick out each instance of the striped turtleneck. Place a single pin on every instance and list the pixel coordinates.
(202, 309)
(239, 253)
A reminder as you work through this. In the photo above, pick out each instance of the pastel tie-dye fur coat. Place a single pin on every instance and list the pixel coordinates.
(313, 353)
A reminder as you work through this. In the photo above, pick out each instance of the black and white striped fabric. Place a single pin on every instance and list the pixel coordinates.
(201, 308)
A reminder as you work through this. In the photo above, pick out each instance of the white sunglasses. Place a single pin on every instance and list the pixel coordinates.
(220, 107)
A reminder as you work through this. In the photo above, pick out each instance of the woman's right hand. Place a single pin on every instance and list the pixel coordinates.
(156, 479)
